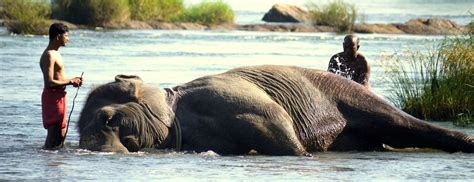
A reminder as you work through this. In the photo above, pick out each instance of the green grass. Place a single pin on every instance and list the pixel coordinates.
(336, 14)
(26, 16)
(160, 10)
(32, 16)
(438, 85)
(207, 13)
(100, 12)
(91, 12)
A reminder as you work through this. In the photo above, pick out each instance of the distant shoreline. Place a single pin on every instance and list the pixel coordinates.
(430, 26)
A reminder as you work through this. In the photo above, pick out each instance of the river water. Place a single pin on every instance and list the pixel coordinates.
(169, 58)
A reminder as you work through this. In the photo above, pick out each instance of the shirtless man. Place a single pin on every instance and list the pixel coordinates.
(53, 99)
(350, 63)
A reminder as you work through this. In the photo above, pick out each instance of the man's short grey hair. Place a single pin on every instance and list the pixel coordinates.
(349, 38)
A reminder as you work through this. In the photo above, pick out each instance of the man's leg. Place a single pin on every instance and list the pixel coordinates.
(54, 137)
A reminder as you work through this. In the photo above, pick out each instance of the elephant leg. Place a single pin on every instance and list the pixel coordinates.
(268, 134)
(258, 122)
(386, 125)
(411, 132)
(232, 115)
(241, 133)
(203, 133)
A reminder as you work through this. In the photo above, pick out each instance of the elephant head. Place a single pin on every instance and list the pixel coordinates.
(125, 116)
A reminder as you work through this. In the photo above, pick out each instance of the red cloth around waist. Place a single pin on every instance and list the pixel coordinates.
(53, 104)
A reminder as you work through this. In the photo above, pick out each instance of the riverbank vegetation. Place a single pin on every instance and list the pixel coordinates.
(336, 14)
(25, 16)
(91, 12)
(32, 16)
(436, 85)
(207, 13)
(159, 10)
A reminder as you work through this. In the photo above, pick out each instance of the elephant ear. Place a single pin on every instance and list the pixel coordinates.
(155, 101)
(123, 78)
(131, 84)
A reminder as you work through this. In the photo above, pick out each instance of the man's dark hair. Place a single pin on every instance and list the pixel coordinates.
(57, 29)
(350, 39)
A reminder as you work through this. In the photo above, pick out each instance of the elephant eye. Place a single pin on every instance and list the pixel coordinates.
(104, 117)
(115, 120)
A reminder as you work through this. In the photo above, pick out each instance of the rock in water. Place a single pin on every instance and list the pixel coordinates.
(286, 13)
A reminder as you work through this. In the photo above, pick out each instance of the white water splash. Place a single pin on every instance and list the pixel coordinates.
(209, 153)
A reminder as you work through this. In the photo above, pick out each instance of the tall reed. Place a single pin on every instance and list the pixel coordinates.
(160, 10)
(336, 14)
(437, 85)
(26, 16)
(208, 13)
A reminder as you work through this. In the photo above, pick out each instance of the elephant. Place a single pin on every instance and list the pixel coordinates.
(267, 109)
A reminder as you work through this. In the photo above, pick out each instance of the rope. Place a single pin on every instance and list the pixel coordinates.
(177, 131)
(176, 126)
(70, 113)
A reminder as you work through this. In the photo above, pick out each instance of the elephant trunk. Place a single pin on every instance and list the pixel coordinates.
(104, 141)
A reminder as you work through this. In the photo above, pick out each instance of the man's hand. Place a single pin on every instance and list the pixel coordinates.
(76, 81)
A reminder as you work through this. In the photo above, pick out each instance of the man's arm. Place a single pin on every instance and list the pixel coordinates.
(365, 73)
(367, 76)
(48, 73)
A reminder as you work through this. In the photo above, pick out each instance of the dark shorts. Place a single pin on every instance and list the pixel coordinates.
(53, 104)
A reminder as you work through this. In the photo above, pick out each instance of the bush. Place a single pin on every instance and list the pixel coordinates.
(26, 16)
(438, 85)
(336, 14)
(207, 13)
(161, 10)
(91, 12)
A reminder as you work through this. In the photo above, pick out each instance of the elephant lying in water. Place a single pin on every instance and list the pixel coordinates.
(274, 110)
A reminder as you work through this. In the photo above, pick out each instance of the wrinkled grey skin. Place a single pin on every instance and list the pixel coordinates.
(274, 110)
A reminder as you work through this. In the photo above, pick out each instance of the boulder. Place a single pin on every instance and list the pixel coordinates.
(127, 25)
(191, 26)
(285, 27)
(162, 25)
(430, 26)
(137, 25)
(176, 26)
(286, 13)
(223, 27)
(377, 28)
